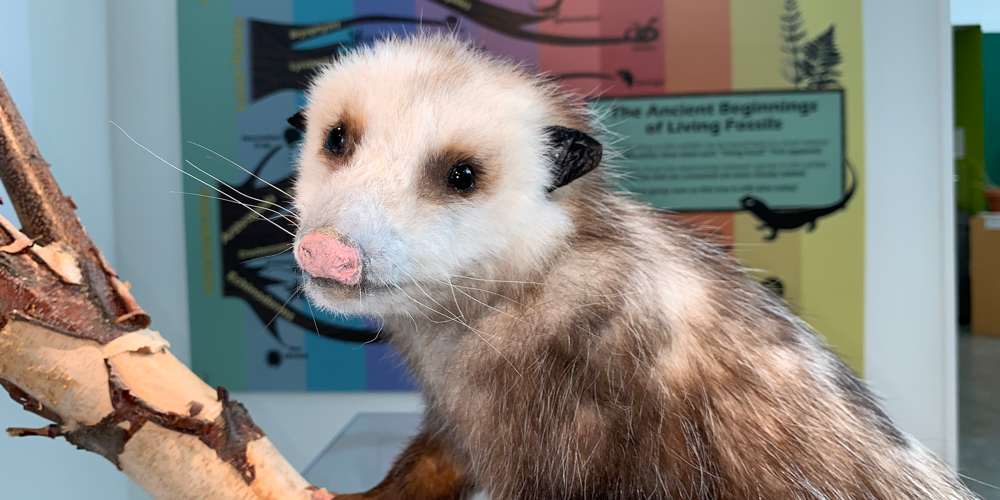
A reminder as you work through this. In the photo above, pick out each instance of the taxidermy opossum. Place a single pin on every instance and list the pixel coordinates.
(570, 342)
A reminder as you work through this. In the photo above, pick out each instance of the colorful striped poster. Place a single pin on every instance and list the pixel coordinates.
(244, 64)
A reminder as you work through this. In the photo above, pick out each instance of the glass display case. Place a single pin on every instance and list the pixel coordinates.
(361, 454)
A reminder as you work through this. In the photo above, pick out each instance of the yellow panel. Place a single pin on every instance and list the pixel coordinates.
(756, 46)
(823, 271)
(775, 259)
(833, 256)
(757, 62)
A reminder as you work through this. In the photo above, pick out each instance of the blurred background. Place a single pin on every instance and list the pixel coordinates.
(901, 273)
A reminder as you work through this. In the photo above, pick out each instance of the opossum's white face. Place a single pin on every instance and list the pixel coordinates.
(423, 162)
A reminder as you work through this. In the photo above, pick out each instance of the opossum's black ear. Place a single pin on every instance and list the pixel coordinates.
(298, 121)
(574, 153)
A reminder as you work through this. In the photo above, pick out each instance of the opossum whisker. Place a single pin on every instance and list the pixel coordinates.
(240, 167)
(313, 314)
(374, 339)
(449, 319)
(451, 285)
(241, 193)
(248, 207)
(361, 300)
(970, 478)
(466, 325)
(189, 174)
(505, 313)
(200, 195)
(499, 281)
(578, 325)
(455, 298)
(458, 288)
(266, 256)
(498, 294)
(297, 291)
(417, 284)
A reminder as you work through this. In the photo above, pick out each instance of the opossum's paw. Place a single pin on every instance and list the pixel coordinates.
(322, 494)
(345, 496)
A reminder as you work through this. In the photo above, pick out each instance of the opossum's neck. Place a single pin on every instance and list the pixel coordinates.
(615, 262)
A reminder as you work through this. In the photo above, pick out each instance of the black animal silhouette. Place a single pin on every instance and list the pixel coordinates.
(279, 63)
(785, 220)
(512, 23)
(775, 285)
(623, 74)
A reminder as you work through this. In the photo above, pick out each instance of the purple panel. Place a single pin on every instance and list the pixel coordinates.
(385, 369)
(432, 11)
(519, 50)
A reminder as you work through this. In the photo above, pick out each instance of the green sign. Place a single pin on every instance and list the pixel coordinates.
(709, 152)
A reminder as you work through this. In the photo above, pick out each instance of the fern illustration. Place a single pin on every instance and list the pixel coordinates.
(792, 36)
(812, 64)
(821, 61)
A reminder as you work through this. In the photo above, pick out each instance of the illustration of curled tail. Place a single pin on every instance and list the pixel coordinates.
(786, 220)
(854, 184)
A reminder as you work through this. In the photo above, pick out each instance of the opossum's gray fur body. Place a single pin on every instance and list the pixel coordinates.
(576, 344)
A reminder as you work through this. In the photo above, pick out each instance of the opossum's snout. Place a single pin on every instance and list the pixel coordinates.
(329, 256)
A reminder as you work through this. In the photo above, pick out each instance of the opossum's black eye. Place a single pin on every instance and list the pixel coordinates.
(461, 177)
(336, 139)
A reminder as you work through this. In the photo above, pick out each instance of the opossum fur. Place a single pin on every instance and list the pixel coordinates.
(572, 344)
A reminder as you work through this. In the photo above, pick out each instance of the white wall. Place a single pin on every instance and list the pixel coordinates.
(15, 68)
(69, 78)
(53, 57)
(145, 101)
(910, 337)
(985, 13)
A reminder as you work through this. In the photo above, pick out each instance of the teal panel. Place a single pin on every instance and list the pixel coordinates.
(208, 92)
(708, 152)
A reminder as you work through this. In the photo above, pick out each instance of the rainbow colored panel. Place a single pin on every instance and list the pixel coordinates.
(245, 63)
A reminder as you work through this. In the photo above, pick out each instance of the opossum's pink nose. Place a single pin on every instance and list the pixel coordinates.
(326, 256)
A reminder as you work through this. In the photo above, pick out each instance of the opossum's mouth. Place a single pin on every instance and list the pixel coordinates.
(363, 289)
(365, 298)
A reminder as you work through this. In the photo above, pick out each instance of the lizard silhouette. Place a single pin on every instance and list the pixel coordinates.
(785, 220)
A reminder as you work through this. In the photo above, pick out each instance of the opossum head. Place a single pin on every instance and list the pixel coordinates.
(424, 160)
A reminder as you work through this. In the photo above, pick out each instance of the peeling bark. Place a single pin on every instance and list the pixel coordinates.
(75, 350)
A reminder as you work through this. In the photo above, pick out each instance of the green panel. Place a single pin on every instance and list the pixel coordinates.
(208, 89)
(712, 152)
(969, 116)
(991, 104)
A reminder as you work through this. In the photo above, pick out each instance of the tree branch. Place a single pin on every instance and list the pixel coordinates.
(75, 350)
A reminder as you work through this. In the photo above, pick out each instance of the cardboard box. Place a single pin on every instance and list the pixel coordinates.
(984, 272)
